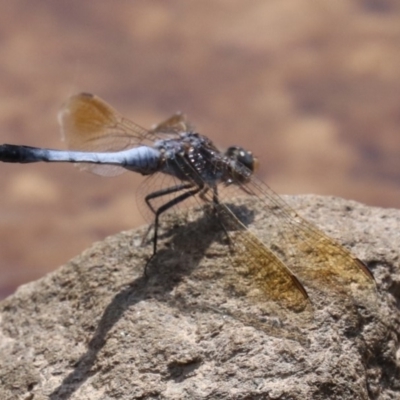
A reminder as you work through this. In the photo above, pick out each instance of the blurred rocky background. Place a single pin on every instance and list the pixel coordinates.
(312, 87)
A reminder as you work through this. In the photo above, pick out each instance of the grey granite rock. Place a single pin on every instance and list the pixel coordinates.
(98, 329)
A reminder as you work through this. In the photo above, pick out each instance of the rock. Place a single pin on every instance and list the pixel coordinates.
(97, 328)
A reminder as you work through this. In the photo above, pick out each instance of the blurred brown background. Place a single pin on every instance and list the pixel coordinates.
(312, 87)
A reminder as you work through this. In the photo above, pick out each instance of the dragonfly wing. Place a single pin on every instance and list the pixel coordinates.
(259, 266)
(175, 124)
(313, 255)
(90, 124)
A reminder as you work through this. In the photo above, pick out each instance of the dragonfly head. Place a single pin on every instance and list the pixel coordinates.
(244, 157)
(239, 157)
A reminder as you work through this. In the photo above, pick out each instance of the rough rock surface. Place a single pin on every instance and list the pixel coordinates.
(98, 329)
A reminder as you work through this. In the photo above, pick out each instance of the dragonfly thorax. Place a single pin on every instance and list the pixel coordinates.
(192, 157)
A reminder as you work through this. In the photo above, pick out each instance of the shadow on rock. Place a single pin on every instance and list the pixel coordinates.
(178, 258)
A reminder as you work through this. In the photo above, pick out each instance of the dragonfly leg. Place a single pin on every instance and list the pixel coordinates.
(160, 193)
(166, 207)
(216, 204)
(163, 192)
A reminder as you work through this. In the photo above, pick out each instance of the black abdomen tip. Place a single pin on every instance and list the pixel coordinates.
(15, 154)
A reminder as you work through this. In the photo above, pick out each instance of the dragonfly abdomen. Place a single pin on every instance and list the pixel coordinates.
(141, 159)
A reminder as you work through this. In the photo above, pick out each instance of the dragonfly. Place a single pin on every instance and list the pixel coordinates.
(106, 143)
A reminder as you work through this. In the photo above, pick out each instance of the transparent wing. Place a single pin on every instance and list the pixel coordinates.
(262, 271)
(293, 242)
(175, 124)
(90, 124)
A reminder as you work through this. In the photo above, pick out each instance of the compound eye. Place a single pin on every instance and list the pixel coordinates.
(243, 156)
